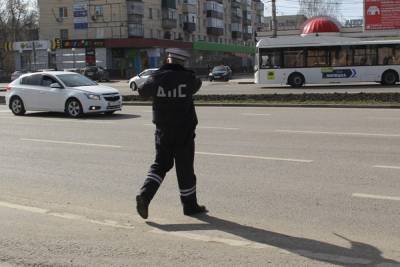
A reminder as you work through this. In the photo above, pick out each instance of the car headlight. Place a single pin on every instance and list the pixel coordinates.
(93, 96)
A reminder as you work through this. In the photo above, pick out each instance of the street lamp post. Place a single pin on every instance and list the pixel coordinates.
(73, 56)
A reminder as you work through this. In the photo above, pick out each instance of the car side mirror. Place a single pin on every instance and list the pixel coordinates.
(55, 85)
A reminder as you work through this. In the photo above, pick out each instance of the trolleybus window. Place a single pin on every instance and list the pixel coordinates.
(270, 59)
(341, 56)
(317, 57)
(293, 58)
(365, 56)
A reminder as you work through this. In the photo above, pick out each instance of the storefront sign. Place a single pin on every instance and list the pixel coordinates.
(80, 15)
(382, 14)
(24, 46)
(82, 43)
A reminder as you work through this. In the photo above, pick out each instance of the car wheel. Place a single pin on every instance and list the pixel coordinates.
(390, 77)
(133, 86)
(73, 108)
(296, 80)
(109, 112)
(17, 106)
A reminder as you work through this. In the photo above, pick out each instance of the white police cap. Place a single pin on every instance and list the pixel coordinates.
(177, 53)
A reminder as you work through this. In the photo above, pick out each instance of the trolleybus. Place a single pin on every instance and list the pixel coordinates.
(296, 60)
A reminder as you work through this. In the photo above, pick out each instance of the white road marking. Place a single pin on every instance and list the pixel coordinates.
(217, 128)
(338, 133)
(61, 120)
(68, 143)
(255, 114)
(255, 157)
(375, 197)
(384, 118)
(79, 121)
(68, 216)
(387, 167)
(258, 245)
(205, 127)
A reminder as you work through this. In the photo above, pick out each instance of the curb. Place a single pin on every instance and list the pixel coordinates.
(246, 83)
(141, 103)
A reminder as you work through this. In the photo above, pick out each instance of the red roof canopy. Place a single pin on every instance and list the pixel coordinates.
(320, 25)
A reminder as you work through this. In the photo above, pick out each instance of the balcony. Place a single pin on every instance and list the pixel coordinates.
(215, 31)
(215, 14)
(135, 8)
(236, 34)
(168, 23)
(189, 27)
(236, 3)
(135, 30)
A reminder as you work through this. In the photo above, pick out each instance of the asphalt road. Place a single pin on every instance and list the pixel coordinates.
(284, 186)
(242, 86)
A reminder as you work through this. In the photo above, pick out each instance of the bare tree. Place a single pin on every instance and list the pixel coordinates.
(18, 22)
(313, 8)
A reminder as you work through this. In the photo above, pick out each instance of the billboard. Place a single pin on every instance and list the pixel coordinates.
(80, 9)
(382, 14)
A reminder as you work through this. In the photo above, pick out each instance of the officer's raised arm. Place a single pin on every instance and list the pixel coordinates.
(149, 88)
(197, 85)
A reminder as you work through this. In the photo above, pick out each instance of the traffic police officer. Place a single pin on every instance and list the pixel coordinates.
(172, 88)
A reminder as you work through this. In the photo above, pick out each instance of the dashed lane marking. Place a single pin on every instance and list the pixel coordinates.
(207, 127)
(67, 216)
(359, 195)
(255, 157)
(387, 167)
(338, 133)
(68, 143)
(256, 114)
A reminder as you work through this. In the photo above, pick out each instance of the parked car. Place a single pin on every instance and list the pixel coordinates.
(96, 73)
(76, 70)
(17, 73)
(3, 76)
(61, 91)
(220, 73)
(140, 79)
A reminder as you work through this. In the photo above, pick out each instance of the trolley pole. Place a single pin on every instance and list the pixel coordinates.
(274, 21)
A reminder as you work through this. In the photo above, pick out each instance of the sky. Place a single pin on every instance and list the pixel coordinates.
(349, 9)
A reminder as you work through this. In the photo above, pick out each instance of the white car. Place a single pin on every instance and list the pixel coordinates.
(140, 79)
(61, 91)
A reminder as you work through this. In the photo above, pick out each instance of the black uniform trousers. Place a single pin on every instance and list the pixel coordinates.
(173, 143)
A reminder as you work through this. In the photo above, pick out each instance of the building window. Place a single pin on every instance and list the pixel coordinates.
(99, 11)
(64, 34)
(150, 13)
(63, 12)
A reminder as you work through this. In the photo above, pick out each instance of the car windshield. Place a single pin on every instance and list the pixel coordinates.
(75, 80)
(219, 68)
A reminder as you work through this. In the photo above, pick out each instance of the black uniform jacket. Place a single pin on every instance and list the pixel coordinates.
(172, 88)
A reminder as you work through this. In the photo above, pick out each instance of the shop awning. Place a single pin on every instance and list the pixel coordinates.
(206, 46)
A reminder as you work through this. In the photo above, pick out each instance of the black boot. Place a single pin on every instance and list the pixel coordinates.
(190, 210)
(142, 206)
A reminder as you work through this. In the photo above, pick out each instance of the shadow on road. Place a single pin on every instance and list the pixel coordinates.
(335, 86)
(86, 117)
(359, 254)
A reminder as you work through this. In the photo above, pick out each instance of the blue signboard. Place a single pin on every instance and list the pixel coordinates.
(338, 73)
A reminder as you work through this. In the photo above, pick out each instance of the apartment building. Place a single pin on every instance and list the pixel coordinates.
(130, 35)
